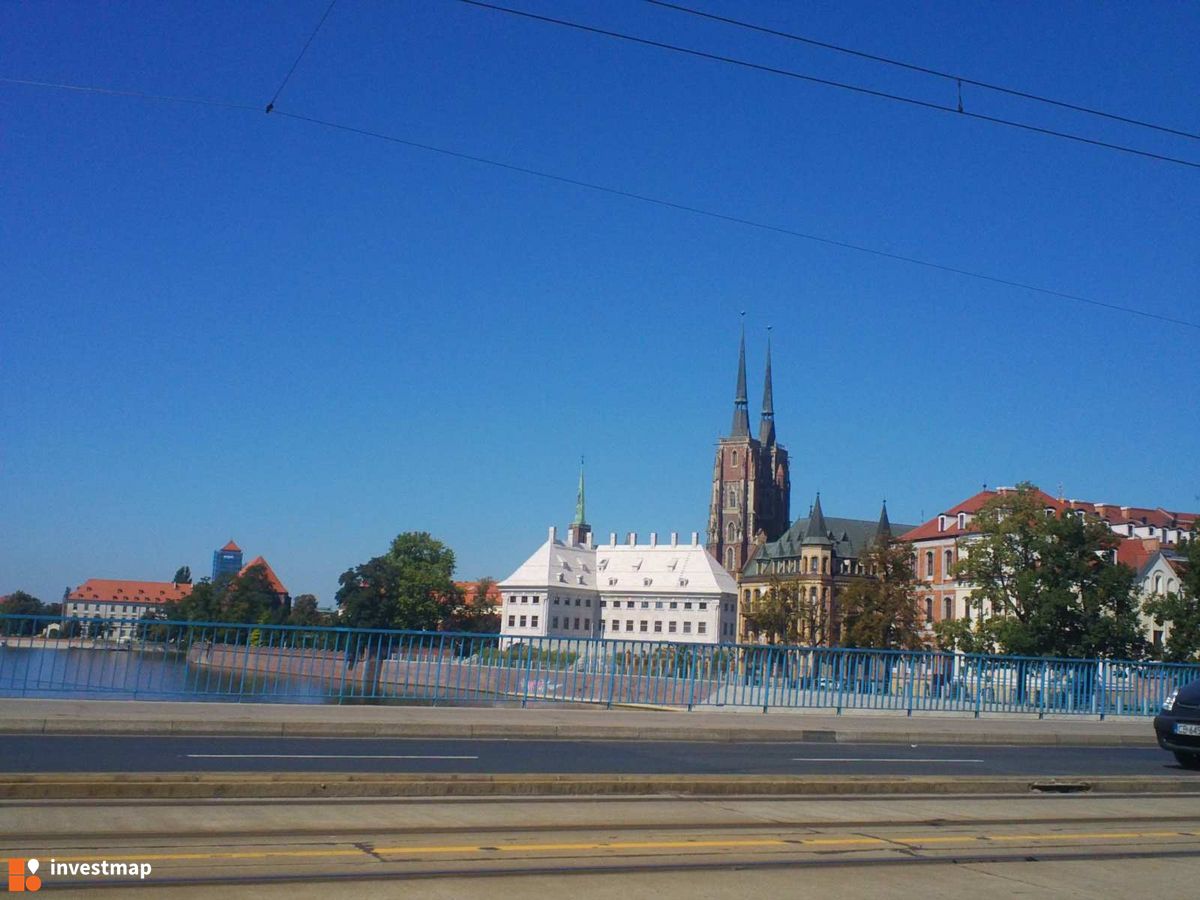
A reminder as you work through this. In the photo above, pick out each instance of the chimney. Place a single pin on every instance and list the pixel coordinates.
(654, 539)
(633, 539)
(695, 538)
(674, 538)
(553, 534)
(612, 538)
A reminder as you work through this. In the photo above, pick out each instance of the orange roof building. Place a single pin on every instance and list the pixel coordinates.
(272, 578)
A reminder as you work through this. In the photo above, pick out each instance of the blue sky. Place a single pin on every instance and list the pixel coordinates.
(219, 323)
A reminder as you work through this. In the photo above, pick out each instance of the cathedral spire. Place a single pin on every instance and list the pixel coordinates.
(766, 430)
(580, 532)
(580, 517)
(741, 417)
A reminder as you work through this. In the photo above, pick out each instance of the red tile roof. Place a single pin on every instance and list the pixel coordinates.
(115, 590)
(232, 547)
(1115, 515)
(272, 578)
(468, 591)
(1136, 552)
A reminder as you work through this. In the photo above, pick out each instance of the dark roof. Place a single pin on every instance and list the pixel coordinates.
(741, 415)
(850, 537)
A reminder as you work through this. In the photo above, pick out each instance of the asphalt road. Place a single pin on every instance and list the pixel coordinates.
(71, 753)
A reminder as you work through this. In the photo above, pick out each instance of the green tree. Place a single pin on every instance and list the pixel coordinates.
(19, 603)
(965, 636)
(1049, 581)
(411, 586)
(200, 605)
(780, 614)
(881, 611)
(305, 611)
(478, 614)
(1181, 609)
(183, 575)
(250, 598)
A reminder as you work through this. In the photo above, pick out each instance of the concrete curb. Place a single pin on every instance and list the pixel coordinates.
(577, 732)
(188, 786)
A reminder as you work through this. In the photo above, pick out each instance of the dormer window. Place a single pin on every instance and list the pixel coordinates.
(683, 582)
(611, 582)
(962, 520)
(941, 523)
(637, 564)
(603, 564)
(562, 577)
(581, 578)
(647, 581)
(672, 564)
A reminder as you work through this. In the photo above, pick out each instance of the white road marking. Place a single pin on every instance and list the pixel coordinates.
(315, 756)
(878, 759)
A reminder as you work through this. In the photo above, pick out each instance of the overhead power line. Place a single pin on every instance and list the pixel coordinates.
(737, 220)
(951, 76)
(140, 95)
(828, 82)
(629, 195)
(300, 56)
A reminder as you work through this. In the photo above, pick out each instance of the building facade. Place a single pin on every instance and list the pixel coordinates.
(751, 481)
(818, 556)
(656, 591)
(942, 541)
(120, 600)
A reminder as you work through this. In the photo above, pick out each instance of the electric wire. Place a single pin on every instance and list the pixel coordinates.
(813, 79)
(737, 220)
(140, 95)
(303, 50)
(962, 79)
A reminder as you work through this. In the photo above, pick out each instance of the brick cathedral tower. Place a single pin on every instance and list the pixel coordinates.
(751, 485)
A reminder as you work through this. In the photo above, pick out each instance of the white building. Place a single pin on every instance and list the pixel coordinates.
(655, 591)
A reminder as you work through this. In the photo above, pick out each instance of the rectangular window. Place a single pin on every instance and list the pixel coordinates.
(616, 624)
(703, 606)
(512, 621)
(533, 621)
(687, 606)
(629, 624)
(576, 624)
(603, 604)
(658, 604)
(587, 624)
(671, 626)
(522, 621)
(576, 601)
(687, 627)
(524, 599)
(658, 627)
(702, 627)
(537, 599)
(643, 625)
(589, 603)
(645, 604)
(554, 622)
(674, 605)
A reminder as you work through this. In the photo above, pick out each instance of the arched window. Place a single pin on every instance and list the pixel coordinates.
(1158, 584)
(928, 610)
(814, 564)
(729, 558)
(825, 564)
(928, 563)
(949, 560)
(731, 532)
(948, 608)
(735, 458)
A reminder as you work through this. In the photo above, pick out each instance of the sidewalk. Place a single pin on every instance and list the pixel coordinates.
(39, 716)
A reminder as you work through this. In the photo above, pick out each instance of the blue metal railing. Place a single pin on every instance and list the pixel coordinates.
(148, 659)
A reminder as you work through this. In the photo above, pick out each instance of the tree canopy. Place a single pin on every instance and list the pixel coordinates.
(881, 611)
(411, 586)
(1049, 582)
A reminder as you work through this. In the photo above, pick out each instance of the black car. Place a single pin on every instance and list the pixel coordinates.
(1178, 725)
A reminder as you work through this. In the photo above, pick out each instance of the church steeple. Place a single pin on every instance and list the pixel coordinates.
(817, 531)
(580, 531)
(883, 533)
(741, 415)
(766, 429)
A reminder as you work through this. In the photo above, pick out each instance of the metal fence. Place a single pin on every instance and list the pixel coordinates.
(156, 660)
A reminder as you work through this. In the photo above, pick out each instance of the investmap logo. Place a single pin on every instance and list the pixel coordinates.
(22, 875)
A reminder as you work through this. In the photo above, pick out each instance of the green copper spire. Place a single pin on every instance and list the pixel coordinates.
(580, 517)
